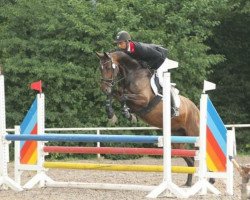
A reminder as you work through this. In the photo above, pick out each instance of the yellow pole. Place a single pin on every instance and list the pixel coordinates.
(116, 167)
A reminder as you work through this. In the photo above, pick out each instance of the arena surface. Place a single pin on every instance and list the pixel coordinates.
(142, 178)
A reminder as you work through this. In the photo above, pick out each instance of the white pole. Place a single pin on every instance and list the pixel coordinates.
(3, 143)
(98, 144)
(2, 112)
(203, 185)
(40, 131)
(5, 181)
(229, 166)
(234, 141)
(167, 184)
(18, 171)
(202, 144)
(167, 177)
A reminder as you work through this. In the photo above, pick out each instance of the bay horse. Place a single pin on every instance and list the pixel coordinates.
(134, 90)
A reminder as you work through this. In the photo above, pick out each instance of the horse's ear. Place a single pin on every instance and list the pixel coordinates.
(99, 55)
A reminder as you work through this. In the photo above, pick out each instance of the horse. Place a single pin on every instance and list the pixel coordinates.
(132, 81)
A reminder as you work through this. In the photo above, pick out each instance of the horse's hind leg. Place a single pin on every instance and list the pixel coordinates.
(211, 180)
(190, 163)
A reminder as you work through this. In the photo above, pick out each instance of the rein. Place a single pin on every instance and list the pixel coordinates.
(112, 82)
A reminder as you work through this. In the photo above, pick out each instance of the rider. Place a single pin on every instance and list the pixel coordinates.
(149, 55)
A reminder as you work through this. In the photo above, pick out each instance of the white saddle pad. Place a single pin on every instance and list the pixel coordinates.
(174, 90)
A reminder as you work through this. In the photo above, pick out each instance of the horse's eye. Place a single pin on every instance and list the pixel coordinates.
(114, 65)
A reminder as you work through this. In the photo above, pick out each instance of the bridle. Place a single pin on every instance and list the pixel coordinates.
(111, 82)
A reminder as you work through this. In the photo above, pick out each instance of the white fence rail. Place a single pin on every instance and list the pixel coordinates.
(99, 129)
(238, 125)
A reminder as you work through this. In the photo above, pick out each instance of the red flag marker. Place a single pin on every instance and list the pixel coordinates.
(36, 86)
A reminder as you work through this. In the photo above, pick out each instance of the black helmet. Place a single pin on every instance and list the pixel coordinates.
(122, 36)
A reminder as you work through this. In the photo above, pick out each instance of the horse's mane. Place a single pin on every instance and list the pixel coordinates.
(126, 60)
(130, 64)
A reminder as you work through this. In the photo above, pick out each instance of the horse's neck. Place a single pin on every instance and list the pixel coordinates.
(138, 82)
(130, 67)
(131, 74)
(137, 78)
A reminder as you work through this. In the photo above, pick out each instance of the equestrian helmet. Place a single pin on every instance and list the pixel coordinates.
(122, 36)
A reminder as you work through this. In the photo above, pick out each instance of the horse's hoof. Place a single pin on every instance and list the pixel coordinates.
(212, 180)
(133, 118)
(113, 120)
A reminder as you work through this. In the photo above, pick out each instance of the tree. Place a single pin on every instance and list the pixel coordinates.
(52, 41)
(232, 40)
(55, 40)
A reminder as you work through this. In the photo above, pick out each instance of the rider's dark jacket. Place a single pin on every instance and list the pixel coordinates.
(149, 54)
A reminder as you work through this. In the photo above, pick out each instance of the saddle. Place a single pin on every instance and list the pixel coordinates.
(175, 99)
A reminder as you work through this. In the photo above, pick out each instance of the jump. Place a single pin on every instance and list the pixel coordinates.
(125, 79)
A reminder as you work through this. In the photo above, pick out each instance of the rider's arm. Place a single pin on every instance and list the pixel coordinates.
(153, 57)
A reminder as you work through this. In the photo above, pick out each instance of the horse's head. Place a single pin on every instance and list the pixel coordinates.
(109, 71)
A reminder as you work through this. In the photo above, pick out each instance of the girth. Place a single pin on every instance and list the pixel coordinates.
(150, 106)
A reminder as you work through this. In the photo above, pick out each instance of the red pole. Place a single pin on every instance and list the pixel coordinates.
(117, 150)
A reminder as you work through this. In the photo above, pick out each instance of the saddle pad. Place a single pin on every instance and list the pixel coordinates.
(153, 86)
(174, 91)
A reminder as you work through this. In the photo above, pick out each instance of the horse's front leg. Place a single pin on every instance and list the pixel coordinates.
(125, 109)
(110, 111)
(137, 100)
(126, 112)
